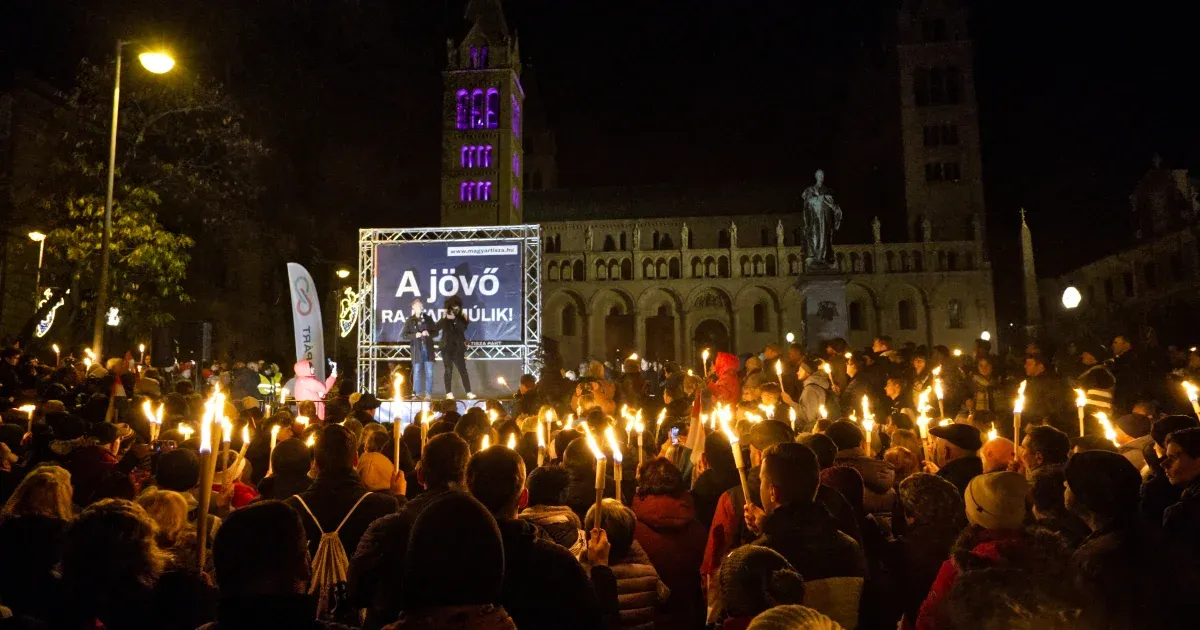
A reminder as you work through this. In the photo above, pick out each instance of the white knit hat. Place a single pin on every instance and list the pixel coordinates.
(997, 500)
(792, 618)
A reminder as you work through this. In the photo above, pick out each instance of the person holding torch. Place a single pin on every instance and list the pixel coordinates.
(815, 391)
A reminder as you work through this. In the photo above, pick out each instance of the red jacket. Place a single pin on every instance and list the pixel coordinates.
(726, 390)
(668, 531)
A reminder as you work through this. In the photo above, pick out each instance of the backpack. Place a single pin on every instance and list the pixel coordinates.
(329, 566)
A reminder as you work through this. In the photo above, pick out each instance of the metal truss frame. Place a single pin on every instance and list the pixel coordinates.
(371, 354)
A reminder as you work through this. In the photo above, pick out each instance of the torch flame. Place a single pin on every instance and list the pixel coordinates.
(303, 420)
(993, 434)
(828, 368)
(792, 413)
(493, 416)
(733, 439)
(662, 415)
(611, 436)
(486, 443)
(866, 407)
(226, 430)
(311, 441)
(541, 435)
(1080, 398)
(246, 434)
(633, 357)
(512, 442)
(569, 422)
(768, 410)
(283, 396)
(779, 368)
(1192, 391)
(147, 411)
(185, 430)
(1109, 432)
(591, 442)
(821, 410)
(937, 371)
(206, 434)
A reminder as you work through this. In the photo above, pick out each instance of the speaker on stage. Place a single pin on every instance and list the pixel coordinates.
(195, 342)
(162, 347)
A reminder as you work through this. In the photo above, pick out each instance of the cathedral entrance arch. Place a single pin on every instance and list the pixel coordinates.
(711, 334)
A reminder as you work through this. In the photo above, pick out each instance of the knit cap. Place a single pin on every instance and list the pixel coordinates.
(997, 500)
(375, 471)
(754, 579)
(793, 618)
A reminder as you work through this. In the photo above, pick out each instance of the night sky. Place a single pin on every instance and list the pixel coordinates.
(1074, 99)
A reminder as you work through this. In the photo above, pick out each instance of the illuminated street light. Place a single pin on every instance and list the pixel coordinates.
(1071, 297)
(985, 335)
(343, 273)
(156, 62)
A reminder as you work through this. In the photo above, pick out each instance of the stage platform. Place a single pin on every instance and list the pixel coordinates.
(407, 410)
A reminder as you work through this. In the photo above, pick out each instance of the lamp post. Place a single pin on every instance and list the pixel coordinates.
(157, 63)
(40, 239)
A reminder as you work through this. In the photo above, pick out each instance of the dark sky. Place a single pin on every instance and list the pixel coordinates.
(1075, 99)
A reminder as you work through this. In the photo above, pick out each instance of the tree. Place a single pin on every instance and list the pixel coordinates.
(187, 176)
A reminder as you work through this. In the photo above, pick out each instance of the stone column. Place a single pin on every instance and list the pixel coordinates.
(639, 330)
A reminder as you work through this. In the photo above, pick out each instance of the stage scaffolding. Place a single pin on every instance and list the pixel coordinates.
(371, 353)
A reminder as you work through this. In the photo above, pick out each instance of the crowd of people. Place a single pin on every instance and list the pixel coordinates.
(879, 487)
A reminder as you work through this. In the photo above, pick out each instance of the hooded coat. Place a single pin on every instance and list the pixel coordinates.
(878, 476)
(674, 540)
(308, 387)
(814, 392)
(726, 389)
(639, 590)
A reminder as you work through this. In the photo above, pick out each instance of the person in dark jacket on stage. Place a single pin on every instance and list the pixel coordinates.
(453, 327)
(544, 586)
(419, 330)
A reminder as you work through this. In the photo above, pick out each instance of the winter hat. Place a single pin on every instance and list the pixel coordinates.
(354, 398)
(54, 406)
(963, 436)
(849, 483)
(97, 371)
(769, 433)
(997, 500)
(824, 447)
(178, 470)
(1135, 425)
(366, 402)
(753, 363)
(455, 556)
(793, 618)
(249, 402)
(1168, 425)
(845, 434)
(931, 499)
(1104, 483)
(375, 471)
(146, 387)
(753, 579)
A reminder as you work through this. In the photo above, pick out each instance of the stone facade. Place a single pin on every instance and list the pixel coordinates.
(623, 293)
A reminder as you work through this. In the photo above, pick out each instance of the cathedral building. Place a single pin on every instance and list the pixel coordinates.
(666, 271)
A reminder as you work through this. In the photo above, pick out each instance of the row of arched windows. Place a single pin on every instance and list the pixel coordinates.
(710, 267)
(478, 109)
(906, 314)
(475, 191)
(475, 156)
(758, 266)
(661, 269)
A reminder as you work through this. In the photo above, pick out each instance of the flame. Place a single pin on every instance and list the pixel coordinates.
(1109, 432)
(226, 430)
(993, 434)
(275, 433)
(849, 355)
(303, 420)
(570, 421)
(792, 413)
(662, 415)
(1021, 389)
(937, 388)
(591, 442)
(55, 346)
(87, 362)
(396, 387)
(821, 410)
(1080, 398)
(147, 411)
(541, 435)
(512, 442)
(733, 438)
(753, 417)
(158, 415)
(637, 422)
(283, 396)
(425, 417)
(633, 357)
(502, 381)
(704, 355)
(937, 371)
(611, 436)
(957, 352)
(493, 416)
(28, 409)
(185, 430)
(311, 441)
(206, 434)
(486, 443)
(944, 422)
(779, 368)
(866, 407)
(768, 410)
(828, 368)
(868, 425)
(246, 434)
(691, 372)
(1192, 391)
(549, 417)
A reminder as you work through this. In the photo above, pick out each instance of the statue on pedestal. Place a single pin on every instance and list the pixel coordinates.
(876, 228)
(683, 237)
(637, 237)
(732, 234)
(821, 218)
(779, 233)
(589, 238)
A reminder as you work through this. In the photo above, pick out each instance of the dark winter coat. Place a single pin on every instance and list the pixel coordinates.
(1181, 522)
(422, 347)
(544, 586)
(707, 491)
(961, 471)
(674, 540)
(243, 383)
(1041, 554)
(832, 563)
(297, 612)
(580, 493)
(916, 557)
(1130, 375)
(1134, 579)
(31, 547)
(281, 487)
(560, 523)
(330, 498)
(639, 590)
(377, 564)
(878, 476)
(454, 335)
(1157, 495)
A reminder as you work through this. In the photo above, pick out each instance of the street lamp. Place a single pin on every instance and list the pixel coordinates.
(157, 63)
(343, 273)
(40, 239)
(985, 335)
(1071, 297)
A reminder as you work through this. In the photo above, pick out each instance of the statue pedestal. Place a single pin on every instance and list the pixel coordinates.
(826, 314)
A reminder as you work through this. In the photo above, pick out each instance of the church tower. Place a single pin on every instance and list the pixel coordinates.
(943, 172)
(482, 159)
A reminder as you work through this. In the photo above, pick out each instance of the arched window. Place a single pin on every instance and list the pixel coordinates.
(697, 268)
(868, 263)
(955, 311)
(723, 238)
(474, 57)
(952, 261)
(566, 271)
(654, 240)
(487, 156)
(673, 269)
(557, 243)
(485, 189)
(918, 262)
(771, 269)
(723, 266)
(483, 57)
(466, 190)
(760, 317)
(765, 236)
(516, 118)
(477, 105)
(623, 244)
(462, 108)
(614, 311)
(627, 269)
(856, 316)
(648, 270)
(662, 268)
(747, 269)
(467, 157)
(614, 271)
(577, 271)
(493, 108)
(601, 270)
(891, 261)
(609, 244)
(568, 321)
(516, 164)
(553, 272)
(908, 320)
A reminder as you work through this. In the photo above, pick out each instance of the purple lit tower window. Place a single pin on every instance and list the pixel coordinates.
(493, 108)
(474, 57)
(516, 117)
(473, 156)
(465, 191)
(477, 109)
(463, 106)
(483, 57)
(487, 155)
(485, 191)
(516, 166)
(516, 198)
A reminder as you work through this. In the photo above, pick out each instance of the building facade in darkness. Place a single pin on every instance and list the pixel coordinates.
(666, 271)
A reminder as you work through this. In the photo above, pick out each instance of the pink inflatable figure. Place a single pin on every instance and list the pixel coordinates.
(308, 387)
